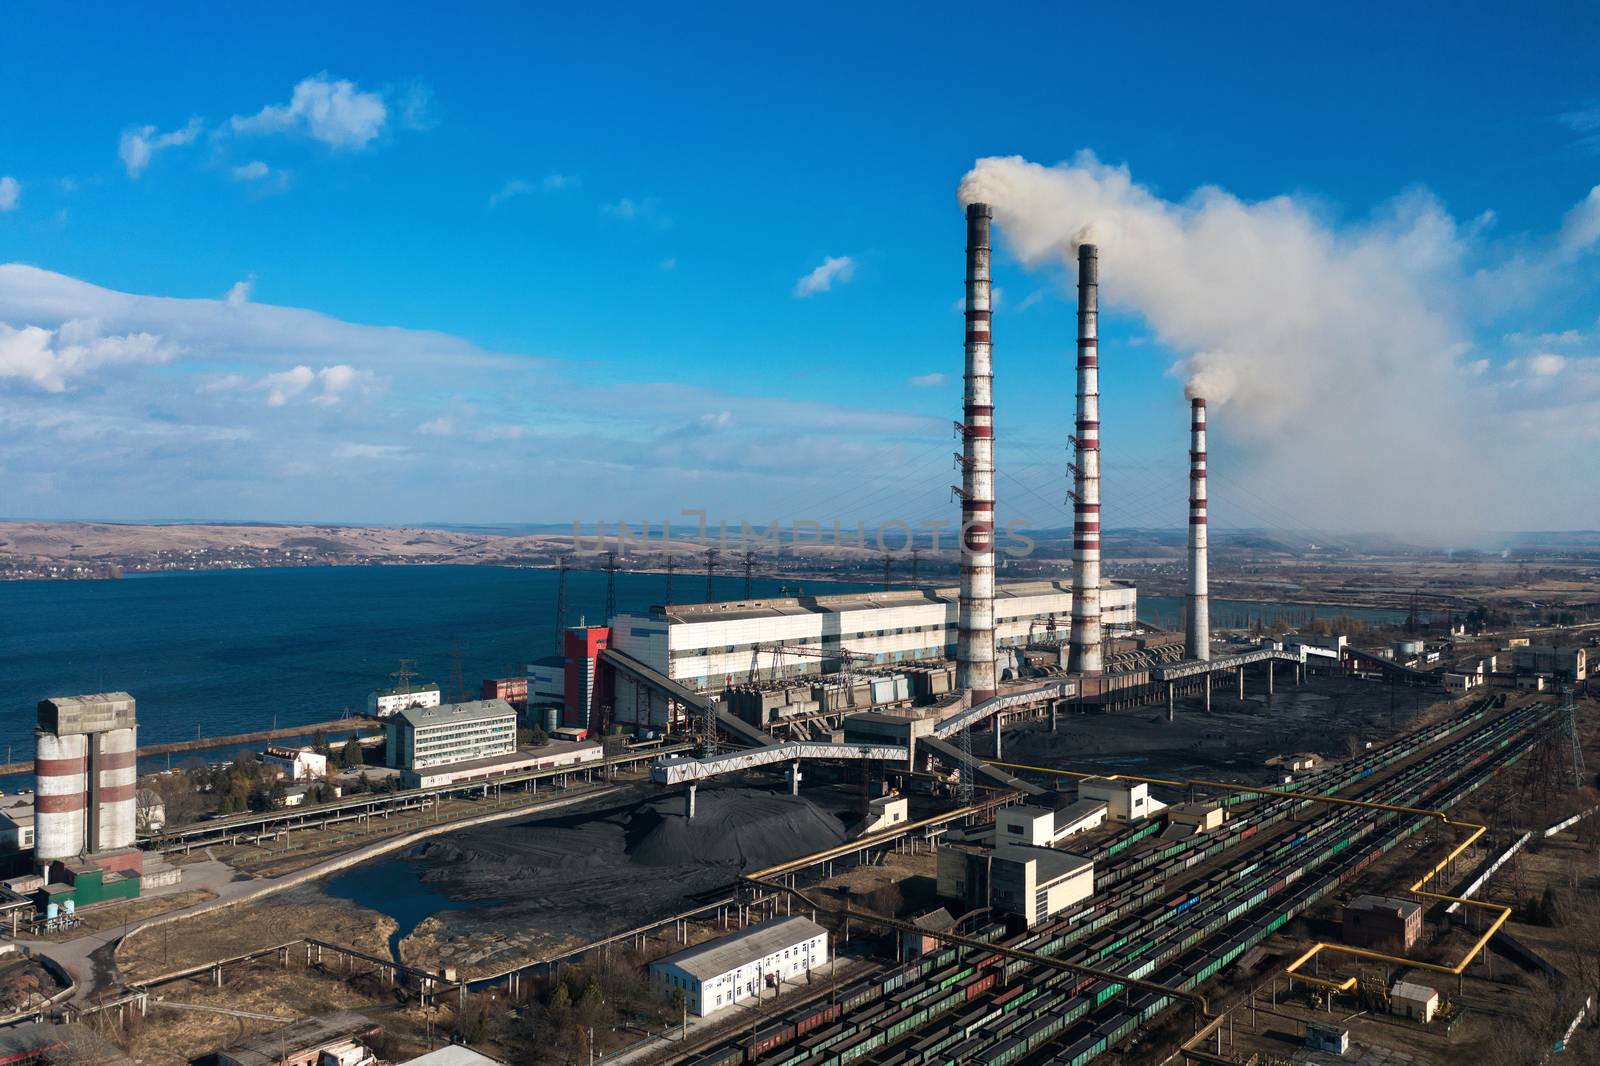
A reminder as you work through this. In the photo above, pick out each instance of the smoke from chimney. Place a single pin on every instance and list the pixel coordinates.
(975, 667)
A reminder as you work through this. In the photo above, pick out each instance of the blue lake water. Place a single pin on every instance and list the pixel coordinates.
(230, 651)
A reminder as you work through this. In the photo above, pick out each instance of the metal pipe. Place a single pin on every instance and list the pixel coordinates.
(1084, 656)
(1197, 636)
(975, 669)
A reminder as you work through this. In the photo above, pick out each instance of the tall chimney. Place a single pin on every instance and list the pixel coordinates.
(1084, 656)
(1197, 635)
(975, 671)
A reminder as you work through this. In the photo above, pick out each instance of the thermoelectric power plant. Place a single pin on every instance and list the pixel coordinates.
(946, 658)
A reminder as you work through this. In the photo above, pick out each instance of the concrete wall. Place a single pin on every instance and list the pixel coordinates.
(62, 795)
(116, 763)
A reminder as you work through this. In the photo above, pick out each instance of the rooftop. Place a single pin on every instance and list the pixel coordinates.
(853, 601)
(452, 713)
(1399, 907)
(1408, 990)
(452, 1055)
(1053, 864)
(407, 690)
(1070, 810)
(717, 957)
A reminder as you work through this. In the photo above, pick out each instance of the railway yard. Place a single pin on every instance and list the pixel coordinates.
(1177, 933)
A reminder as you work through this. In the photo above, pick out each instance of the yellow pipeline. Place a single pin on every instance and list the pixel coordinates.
(1504, 912)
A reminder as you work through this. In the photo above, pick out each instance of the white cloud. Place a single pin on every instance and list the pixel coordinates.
(54, 359)
(239, 292)
(326, 387)
(443, 426)
(254, 170)
(416, 107)
(668, 265)
(833, 270)
(1032, 299)
(522, 187)
(630, 209)
(336, 113)
(1543, 365)
(370, 451)
(514, 187)
(10, 193)
(927, 381)
(1580, 229)
(140, 145)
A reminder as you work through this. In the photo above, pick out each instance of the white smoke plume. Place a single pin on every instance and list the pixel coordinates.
(1337, 351)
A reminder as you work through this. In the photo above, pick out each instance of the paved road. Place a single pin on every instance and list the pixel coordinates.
(76, 955)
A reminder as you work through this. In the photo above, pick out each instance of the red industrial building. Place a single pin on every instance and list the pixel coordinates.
(588, 688)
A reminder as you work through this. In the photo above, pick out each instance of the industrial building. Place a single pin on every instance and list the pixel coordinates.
(295, 764)
(514, 690)
(1410, 1000)
(1382, 923)
(731, 969)
(1032, 883)
(713, 646)
(423, 737)
(16, 823)
(389, 701)
(1126, 801)
(1202, 817)
(554, 755)
(1562, 664)
(1027, 823)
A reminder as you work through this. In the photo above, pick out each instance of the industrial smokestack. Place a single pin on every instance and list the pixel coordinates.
(1084, 656)
(1197, 634)
(975, 671)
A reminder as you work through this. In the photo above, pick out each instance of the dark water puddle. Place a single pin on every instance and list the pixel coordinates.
(394, 886)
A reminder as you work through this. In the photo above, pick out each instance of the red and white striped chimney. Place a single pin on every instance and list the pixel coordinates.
(1197, 633)
(1084, 656)
(975, 672)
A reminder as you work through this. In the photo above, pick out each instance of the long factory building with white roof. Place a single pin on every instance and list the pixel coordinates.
(709, 646)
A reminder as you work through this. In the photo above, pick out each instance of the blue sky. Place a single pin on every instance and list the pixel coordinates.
(592, 230)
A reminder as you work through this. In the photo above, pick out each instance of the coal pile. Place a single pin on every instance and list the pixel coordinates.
(741, 829)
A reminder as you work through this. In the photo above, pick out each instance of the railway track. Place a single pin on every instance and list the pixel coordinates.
(1152, 920)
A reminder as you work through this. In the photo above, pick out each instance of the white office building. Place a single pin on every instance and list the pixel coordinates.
(713, 645)
(739, 968)
(421, 737)
(391, 701)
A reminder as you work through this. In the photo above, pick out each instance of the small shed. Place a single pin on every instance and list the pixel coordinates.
(1414, 1001)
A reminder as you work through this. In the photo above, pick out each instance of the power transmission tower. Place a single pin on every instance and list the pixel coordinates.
(749, 574)
(404, 675)
(888, 570)
(561, 602)
(611, 586)
(915, 559)
(711, 571)
(1572, 738)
